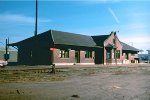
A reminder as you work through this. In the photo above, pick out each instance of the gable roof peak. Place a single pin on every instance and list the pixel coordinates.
(114, 32)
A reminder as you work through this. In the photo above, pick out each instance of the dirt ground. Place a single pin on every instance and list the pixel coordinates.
(127, 82)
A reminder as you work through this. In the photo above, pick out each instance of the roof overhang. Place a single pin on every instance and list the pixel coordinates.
(78, 45)
(110, 46)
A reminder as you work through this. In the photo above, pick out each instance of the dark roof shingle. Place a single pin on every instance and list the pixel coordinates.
(128, 47)
(72, 39)
(99, 40)
(58, 37)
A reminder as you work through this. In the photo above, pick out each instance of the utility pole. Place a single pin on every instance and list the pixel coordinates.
(36, 19)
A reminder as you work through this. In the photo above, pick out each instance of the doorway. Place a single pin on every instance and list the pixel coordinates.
(108, 56)
(77, 56)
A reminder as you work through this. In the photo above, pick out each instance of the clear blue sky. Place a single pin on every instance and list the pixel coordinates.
(130, 17)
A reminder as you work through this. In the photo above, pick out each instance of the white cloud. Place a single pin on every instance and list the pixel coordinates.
(20, 19)
(140, 42)
(141, 39)
(114, 15)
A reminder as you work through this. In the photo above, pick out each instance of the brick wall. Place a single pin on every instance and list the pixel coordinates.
(118, 47)
(131, 57)
(71, 59)
(86, 60)
(57, 59)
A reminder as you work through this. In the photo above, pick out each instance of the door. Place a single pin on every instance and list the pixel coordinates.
(99, 56)
(108, 56)
(77, 56)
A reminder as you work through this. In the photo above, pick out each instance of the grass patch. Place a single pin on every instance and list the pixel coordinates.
(16, 76)
(29, 76)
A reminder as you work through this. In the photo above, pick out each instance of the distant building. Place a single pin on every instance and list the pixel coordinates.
(148, 51)
(129, 54)
(12, 55)
(63, 48)
(144, 57)
(148, 56)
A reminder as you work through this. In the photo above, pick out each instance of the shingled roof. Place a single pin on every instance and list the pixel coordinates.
(72, 39)
(99, 40)
(61, 38)
(128, 47)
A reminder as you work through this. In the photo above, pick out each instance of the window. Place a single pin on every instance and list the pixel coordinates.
(31, 53)
(132, 54)
(108, 55)
(127, 56)
(88, 54)
(113, 55)
(64, 54)
(114, 41)
(118, 54)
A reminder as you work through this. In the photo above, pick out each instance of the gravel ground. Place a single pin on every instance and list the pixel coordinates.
(130, 82)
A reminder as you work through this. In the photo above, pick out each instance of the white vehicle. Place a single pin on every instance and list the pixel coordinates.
(3, 63)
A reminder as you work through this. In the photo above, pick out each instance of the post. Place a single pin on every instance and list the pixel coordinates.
(6, 47)
(115, 56)
(53, 69)
(52, 60)
(6, 56)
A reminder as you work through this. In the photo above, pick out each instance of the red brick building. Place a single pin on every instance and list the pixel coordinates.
(63, 48)
(112, 49)
(56, 47)
(129, 54)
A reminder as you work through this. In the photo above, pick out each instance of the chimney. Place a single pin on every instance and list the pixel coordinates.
(112, 33)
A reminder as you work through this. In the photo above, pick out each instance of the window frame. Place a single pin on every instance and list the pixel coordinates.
(117, 54)
(132, 54)
(127, 56)
(114, 41)
(88, 54)
(64, 53)
(108, 55)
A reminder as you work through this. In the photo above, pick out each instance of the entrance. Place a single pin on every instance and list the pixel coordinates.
(99, 56)
(108, 56)
(77, 56)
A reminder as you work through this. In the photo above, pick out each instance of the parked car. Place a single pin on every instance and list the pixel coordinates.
(3, 63)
